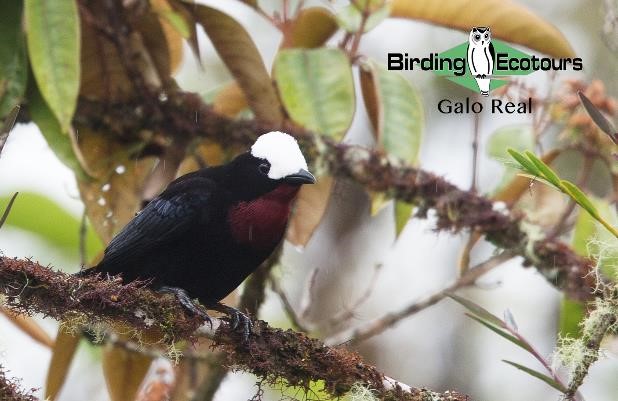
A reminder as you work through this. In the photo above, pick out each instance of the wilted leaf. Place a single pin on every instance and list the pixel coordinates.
(508, 20)
(39, 215)
(312, 27)
(29, 326)
(243, 59)
(311, 204)
(13, 60)
(538, 375)
(317, 89)
(57, 139)
(62, 355)
(53, 37)
(124, 372)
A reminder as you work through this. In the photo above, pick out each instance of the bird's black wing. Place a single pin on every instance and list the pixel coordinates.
(168, 216)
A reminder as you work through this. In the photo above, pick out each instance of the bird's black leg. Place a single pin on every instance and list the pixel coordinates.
(237, 318)
(186, 301)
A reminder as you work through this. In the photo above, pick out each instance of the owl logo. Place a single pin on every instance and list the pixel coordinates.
(481, 57)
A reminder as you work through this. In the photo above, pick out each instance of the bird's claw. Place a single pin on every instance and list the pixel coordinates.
(237, 320)
(186, 301)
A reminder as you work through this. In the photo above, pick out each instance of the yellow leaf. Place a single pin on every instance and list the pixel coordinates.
(507, 20)
(124, 372)
(62, 355)
(230, 100)
(312, 28)
(311, 204)
(30, 327)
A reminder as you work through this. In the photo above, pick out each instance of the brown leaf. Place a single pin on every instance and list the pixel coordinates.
(312, 27)
(230, 100)
(62, 355)
(124, 372)
(30, 327)
(371, 99)
(311, 205)
(237, 50)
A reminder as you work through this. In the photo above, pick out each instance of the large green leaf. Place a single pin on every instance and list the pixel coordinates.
(53, 36)
(41, 216)
(317, 89)
(13, 61)
(56, 138)
(508, 20)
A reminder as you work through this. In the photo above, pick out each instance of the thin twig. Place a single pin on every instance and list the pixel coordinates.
(306, 301)
(5, 215)
(7, 127)
(475, 151)
(381, 324)
(295, 319)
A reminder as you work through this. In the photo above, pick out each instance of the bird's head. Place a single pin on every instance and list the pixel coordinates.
(274, 161)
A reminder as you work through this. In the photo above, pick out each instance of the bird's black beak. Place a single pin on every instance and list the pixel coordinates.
(302, 177)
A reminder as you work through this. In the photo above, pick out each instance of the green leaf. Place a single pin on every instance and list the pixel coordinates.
(478, 310)
(395, 110)
(317, 89)
(572, 312)
(538, 375)
(240, 55)
(524, 162)
(13, 60)
(350, 17)
(502, 332)
(580, 197)
(41, 216)
(57, 140)
(518, 137)
(53, 36)
(545, 170)
(403, 212)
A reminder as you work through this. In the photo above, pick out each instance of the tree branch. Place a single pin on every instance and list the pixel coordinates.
(271, 354)
(454, 209)
(11, 391)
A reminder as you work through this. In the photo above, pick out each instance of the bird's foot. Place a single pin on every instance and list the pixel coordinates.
(237, 319)
(478, 76)
(186, 301)
(483, 76)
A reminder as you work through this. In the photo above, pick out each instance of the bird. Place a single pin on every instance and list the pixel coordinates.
(209, 229)
(481, 55)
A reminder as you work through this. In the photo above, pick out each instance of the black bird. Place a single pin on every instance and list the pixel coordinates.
(209, 229)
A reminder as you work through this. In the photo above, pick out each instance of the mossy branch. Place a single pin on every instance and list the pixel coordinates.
(272, 354)
(185, 116)
(10, 389)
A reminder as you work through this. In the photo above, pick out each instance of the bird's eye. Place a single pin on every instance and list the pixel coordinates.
(477, 37)
(486, 36)
(264, 168)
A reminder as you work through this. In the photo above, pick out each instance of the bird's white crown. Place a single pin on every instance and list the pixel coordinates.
(282, 152)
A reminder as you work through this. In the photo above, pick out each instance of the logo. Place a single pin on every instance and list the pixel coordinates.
(481, 64)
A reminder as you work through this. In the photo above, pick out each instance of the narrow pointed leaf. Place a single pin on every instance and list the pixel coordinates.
(29, 326)
(477, 310)
(525, 163)
(581, 198)
(237, 50)
(53, 36)
(538, 375)
(545, 170)
(501, 332)
(317, 89)
(508, 20)
(403, 213)
(7, 209)
(598, 118)
(124, 372)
